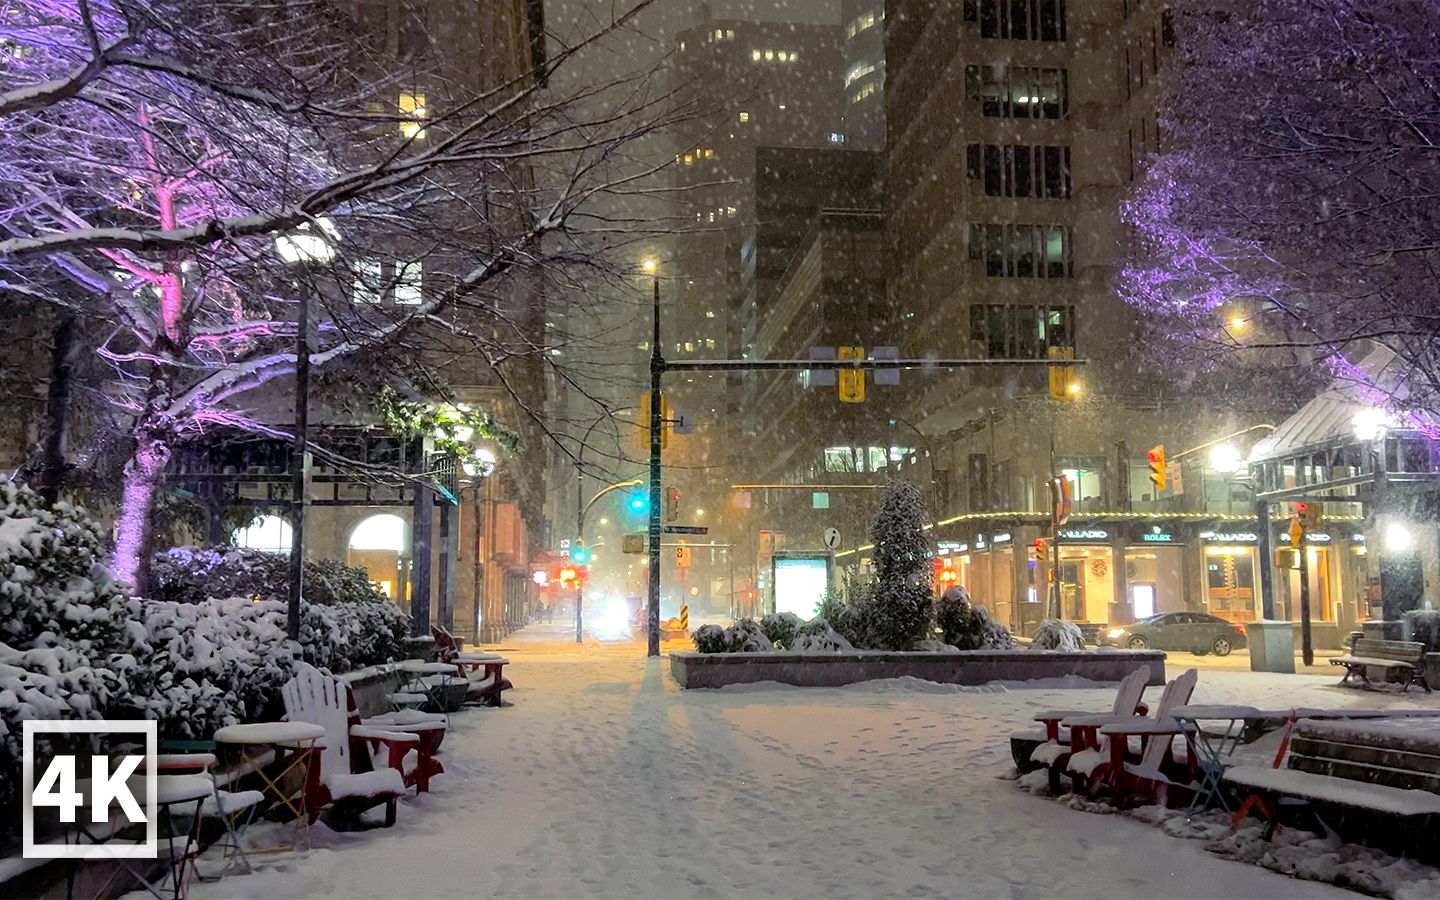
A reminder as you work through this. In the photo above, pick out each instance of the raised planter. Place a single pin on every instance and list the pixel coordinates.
(713, 670)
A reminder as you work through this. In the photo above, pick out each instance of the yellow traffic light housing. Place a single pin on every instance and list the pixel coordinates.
(1156, 456)
(665, 423)
(850, 382)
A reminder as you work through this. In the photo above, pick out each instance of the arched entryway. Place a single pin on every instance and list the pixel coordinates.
(377, 544)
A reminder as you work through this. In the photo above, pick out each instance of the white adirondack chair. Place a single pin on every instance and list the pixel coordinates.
(1091, 765)
(351, 780)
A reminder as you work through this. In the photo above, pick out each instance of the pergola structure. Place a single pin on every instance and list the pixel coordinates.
(364, 467)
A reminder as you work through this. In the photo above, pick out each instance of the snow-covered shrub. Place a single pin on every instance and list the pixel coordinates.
(967, 625)
(841, 611)
(346, 623)
(780, 628)
(817, 636)
(1423, 625)
(68, 639)
(214, 663)
(745, 636)
(1054, 634)
(711, 639)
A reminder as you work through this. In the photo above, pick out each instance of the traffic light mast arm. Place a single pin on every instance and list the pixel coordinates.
(634, 482)
(769, 365)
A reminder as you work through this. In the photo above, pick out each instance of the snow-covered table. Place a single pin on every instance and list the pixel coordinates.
(296, 747)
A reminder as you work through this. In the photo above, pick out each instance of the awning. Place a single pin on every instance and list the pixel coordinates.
(1330, 418)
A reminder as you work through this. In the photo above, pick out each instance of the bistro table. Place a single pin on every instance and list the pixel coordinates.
(288, 747)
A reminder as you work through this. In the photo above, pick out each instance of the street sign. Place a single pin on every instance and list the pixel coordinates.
(687, 529)
(832, 538)
(682, 557)
(633, 542)
(564, 544)
(886, 376)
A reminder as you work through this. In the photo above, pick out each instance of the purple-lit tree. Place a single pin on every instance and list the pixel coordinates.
(1291, 212)
(150, 153)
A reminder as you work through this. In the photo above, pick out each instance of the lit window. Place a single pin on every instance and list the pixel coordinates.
(643, 345)
(744, 117)
(709, 343)
(730, 211)
(729, 34)
(409, 278)
(367, 281)
(754, 55)
(689, 159)
(769, 55)
(794, 55)
(719, 34)
(689, 346)
(270, 534)
(412, 106)
(782, 56)
(709, 313)
(709, 153)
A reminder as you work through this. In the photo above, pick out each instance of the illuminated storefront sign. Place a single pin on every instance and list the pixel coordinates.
(1084, 534)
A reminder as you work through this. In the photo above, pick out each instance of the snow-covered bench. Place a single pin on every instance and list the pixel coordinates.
(1405, 658)
(1373, 782)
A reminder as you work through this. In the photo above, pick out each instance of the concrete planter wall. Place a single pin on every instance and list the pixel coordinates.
(712, 670)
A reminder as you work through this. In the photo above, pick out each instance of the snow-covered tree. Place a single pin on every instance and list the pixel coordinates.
(1289, 213)
(152, 150)
(897, 611)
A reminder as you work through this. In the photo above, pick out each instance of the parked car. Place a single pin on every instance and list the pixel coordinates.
(1197, 632)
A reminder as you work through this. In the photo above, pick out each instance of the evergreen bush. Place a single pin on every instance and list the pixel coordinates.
(1054, 634)
(780, 628)
(967, 625)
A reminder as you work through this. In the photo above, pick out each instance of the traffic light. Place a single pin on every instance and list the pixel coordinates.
(851, 382)
(672, 504)
(579, 553)
(1037, 550)
(1311, 516)
(638, 503)
(569, 576)
(1156, 455)
(665, 423)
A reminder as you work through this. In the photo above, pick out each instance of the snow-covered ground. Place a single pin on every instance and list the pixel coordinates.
(605, 780)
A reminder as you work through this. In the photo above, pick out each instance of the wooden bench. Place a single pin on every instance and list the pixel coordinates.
(1405, 658)
(1373, 783)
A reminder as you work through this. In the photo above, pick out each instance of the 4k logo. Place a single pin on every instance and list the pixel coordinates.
(89, 809)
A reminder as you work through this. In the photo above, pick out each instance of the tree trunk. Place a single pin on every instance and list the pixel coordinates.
(57, 409)
(133, 538)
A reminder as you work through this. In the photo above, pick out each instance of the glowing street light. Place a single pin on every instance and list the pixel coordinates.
(1226, 459)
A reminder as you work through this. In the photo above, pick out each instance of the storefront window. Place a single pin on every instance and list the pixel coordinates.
(1230, 581)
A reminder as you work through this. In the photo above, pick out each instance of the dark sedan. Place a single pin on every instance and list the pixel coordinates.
(1197, 632)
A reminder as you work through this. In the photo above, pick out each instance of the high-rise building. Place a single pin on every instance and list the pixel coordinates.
(1014, 129)
(864, 76)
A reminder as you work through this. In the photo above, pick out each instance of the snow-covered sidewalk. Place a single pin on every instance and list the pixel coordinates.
(604, 779)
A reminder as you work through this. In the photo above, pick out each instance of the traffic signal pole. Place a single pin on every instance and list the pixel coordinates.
(1307, 649)
(657, 368)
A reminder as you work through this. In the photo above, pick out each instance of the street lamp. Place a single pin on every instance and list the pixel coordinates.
(1226, 459)
(310, 245)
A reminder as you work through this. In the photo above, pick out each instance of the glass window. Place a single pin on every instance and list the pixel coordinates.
(368, 281)
(409, 281)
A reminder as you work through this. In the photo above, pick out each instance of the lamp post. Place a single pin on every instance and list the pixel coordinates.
(304, 248)
(657, 367)
(479, 473)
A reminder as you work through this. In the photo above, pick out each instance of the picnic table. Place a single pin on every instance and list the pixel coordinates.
(288, 747)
